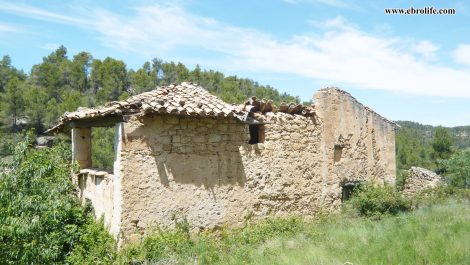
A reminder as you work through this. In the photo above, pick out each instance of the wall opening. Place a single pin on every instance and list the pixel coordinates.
(338, 153)
(256, 133)
(348, 188)
(103, 148)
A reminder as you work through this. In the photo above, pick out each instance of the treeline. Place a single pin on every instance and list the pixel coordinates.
(59, 84)
(460, 134)
(443, 150)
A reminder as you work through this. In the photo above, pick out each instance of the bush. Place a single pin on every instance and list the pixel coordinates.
(371, 200)
(440, 194)
(94, 246)
(41, 218)
(458, 170)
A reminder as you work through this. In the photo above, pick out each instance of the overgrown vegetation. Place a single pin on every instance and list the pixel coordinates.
(41, 219)
(374, 201)
(435, 148)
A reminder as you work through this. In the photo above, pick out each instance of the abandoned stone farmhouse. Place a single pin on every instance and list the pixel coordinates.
(181, 152)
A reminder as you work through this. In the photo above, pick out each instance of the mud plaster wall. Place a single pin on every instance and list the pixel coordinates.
(98, 187)
(205, 170)
(365, 141)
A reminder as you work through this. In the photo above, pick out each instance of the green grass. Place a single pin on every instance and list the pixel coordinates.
(436, 234)
(439, 234)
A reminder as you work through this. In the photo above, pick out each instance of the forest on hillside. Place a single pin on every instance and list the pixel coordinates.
(60, 83)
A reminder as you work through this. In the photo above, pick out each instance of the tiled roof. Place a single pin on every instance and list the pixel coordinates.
(185, 99)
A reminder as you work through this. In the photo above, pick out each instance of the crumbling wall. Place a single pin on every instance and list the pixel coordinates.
(174, 167)
(97, 186)
(283, 172)
(356, 145)
(204, 170)
(419, 179)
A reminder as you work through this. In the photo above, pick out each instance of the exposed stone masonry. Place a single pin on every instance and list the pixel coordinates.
(419, 179)
(174, 161)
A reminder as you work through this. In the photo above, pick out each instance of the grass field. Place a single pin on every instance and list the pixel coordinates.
(436, 234)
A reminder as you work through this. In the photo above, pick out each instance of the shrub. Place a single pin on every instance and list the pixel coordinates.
(440, 194)
(94, 245)
(372, 200)
(41, 218)
(458, 170)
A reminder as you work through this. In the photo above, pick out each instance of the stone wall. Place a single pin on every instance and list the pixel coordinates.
(419, 179)
(357, 143)
(203, 169)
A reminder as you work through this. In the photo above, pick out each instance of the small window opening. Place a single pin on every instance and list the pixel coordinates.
(338, 153)
(256, 134)
(348, 189)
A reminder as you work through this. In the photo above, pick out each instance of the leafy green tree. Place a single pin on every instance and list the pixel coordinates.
(458, 169)
(41, 218)
(170, 73)
(13, 102)
(157, 69)
(53, 74)
(442, 143)
(36, 111)
(143, 79)
(39, 214)
(80, 71)
(109, 79)
(5, 72)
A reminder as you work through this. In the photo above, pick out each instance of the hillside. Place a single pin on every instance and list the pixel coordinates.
(460, 134)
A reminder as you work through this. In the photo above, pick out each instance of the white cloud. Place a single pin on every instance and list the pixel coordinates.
(337, 52)
(427, 49)
(8, 28)
(462, 54)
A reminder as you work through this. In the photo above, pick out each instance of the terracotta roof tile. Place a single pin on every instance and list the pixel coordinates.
(184, 99)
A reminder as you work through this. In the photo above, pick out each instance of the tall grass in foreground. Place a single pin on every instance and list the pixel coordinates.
(437, 234)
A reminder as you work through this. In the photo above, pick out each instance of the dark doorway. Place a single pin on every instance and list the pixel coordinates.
(348, 189)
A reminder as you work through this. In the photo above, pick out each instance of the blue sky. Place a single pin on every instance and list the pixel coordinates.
(406, 67)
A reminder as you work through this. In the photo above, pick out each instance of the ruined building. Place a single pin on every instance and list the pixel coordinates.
(182, 152)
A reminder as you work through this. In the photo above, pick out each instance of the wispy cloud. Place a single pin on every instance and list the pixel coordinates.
(9, 28)
(38, 13)
(462, 54)
(427, 49)
(335, 52)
